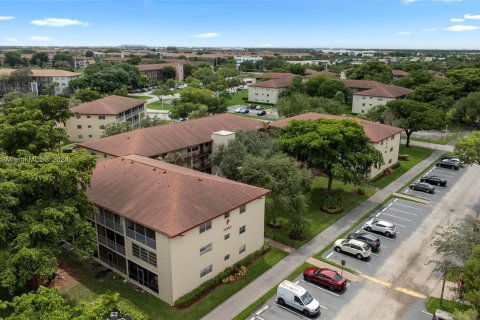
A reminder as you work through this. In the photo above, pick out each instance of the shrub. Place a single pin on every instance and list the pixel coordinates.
(197, 293)
(403, 157)
(388, 171)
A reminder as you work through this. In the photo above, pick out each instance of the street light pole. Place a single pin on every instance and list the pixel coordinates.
(445, 135)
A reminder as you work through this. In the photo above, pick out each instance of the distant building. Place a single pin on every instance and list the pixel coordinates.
(268, 91)
(368, 94)
(168, 229)
(399, 74)
(90, 118)
(81, 62)
(240, 59)
(384, 138)
(39, 79)
(154, 72)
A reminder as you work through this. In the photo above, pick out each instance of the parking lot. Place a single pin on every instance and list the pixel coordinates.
(408, 217)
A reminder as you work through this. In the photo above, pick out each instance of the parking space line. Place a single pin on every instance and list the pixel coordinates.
(291, 311)
(404, 205)
(329, 254)
(346, 255)
(396, 199)
(412, 214)
(376, 280)
(378, 214)
(318, 287)
(297, 282)
(265, 307)
(375, 254)
(260, 318)
(431, 314)
(391, 215)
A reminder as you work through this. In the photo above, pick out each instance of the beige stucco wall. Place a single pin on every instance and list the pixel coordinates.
(361, 104)
(87, 133)
(390, 150)
(185, 250)
(264, 95)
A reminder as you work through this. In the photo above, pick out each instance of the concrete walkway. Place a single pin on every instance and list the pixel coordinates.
(279, 245)
(252, 292)
(444, 147)
(449, 292)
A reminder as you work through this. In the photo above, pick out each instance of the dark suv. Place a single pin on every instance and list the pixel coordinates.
(367, 238)
(448, 163)
(434, 180)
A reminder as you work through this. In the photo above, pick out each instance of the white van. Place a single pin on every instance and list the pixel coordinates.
(295, 296)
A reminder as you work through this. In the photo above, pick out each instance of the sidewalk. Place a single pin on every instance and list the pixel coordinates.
(444, 147)
(449, 293)
(252, 292)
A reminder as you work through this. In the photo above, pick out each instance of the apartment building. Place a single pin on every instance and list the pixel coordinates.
(399, 74)
(168, 229)
(240, 59)
(39, 79)
(384, 138)
(367, 94)
(189, 144)
(81, 62)
(90, 118)
(154, 72)
(268, 91)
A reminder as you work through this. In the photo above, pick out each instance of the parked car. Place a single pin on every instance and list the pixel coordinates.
(422, 186)
(237, 110)
(325, 277)
(435, 180)
(368, 238)
(252, 107)
(295, 296)
(261, 113)
(258, 108)
(454, 159)
(448, 163)
(359, 249)
(381, 226)
(243, 111)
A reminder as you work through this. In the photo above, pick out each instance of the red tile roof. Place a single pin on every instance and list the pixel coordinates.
(164, 197)
(161, 139)
(44, 73)
(375, 131)
(110, 105)
(277, 80)
(400, 73)
(313, 73)
(376, 89)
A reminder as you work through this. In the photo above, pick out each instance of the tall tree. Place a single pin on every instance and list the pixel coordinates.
(415, 78)
(162, 91)
(300, 103)
(325, 87)
(471, 278)
(339, 148)
(412, 116)
(206, 97)
(467, 148)
(13, 59)
(169, 72)
(43, 202)
(18, 77)
(372, 70)
(187, 70)
(467, 109)
(87, 95)
(228, 72)
(89, 54)
(106, 77)
(205, 75)
(39, 59)
(63, 60)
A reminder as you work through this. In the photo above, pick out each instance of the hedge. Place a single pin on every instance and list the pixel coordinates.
(192, 296)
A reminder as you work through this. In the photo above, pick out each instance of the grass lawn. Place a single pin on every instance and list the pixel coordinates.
(432, 304)
(416, 154)
(238, 98)
(157, 105)
(319, 220)
(141, 97)
(449, 138)
(88, 287)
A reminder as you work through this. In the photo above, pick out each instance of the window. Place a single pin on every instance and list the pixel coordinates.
(242, 249)
(205, 271)
(102, 127)
(363, 104)
(226, 215)
(80, 136)
(77, 117)
(101, 117)
(226, 257)
(392, 137)
(390, 161)
(89, 126)
(79, 126)
(205, 249)
(143, 276)
(206, 226)
(89, 135)
(88, 117)
(93, 153)
(227, 236)
(391, 149)
(242, 229)
(144, 254)
(243, 208)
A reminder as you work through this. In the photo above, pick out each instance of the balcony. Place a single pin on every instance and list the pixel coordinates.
(111, 244)
(110, 223)
(141, 238)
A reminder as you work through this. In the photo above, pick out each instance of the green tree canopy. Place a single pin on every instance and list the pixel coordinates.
(228, 72)
(206, 97)
(13, 60)
(43, 201)
(325, 87)
(301, 103)
(467, 148)
(412, 116)
(339, 148)
(39, 58)
(205, 75)
(467, 109)
(440, 93)
(88, 94)
(169, 72)
(471, 278)
(372, 70)
(105, 77)
(415, 78)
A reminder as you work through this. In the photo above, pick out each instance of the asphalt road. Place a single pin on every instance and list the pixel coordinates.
(396, 280)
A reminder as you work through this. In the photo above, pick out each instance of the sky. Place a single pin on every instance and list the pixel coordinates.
(394, 24)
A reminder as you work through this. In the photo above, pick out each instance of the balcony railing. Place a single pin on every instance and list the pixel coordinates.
(141, 238)
(110, 223)
(121, 268)
(111, 244)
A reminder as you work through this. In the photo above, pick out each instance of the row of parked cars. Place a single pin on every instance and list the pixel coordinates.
(427, 183)
(258, 110)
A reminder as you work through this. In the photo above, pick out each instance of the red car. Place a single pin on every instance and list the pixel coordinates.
(325, 277)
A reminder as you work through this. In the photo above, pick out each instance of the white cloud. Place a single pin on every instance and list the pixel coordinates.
(457, 20)
(459, 27)
(447, 0)
(57, 22)
(39, 38)
(5, 18)
(404, 33)
(11, 39)
(207, 35)
(472, 16)
(429, 29)
(410, 1)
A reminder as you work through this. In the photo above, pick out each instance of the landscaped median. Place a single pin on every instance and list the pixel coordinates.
(85, 287)
(432, 304)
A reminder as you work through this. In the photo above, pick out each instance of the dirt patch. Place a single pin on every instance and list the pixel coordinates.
(64, 279)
